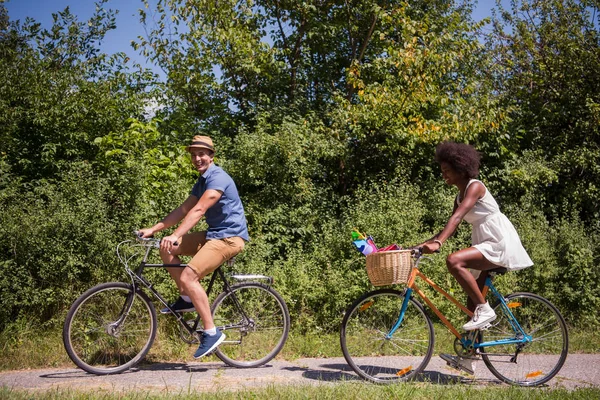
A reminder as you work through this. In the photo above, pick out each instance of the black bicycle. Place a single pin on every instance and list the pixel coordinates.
(111, 327)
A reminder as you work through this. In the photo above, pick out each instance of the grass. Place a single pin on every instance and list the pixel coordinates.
(24, 346)
(351, 391)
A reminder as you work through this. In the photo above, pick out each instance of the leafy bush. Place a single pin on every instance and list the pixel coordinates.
(58, 237)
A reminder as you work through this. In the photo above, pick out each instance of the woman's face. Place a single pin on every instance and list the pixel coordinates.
(449, 174)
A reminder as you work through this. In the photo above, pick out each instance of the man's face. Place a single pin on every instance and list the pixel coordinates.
(201, 158)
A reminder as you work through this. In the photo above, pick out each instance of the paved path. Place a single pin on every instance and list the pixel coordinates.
(580, 370)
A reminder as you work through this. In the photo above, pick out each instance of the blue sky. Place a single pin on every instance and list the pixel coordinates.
(128, 25)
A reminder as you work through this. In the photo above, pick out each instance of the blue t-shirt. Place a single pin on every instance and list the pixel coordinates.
(226, 217)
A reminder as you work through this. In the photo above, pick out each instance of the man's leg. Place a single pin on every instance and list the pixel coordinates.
(191, 286)
(174, 272)
(210, 256)
(190, 244)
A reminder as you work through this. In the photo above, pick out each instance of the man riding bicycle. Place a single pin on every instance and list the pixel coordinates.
(214, 196)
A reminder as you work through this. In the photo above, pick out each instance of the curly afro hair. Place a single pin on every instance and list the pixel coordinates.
(463, 158)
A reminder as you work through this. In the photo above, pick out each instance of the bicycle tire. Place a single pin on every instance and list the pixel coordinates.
(538, 361)
(371, 354)
(95, 343)
(252, 341)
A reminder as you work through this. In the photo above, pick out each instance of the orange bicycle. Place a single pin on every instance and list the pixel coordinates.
(386, 335)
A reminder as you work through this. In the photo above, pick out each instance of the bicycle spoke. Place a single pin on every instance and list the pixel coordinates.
(365, 343)
(92, 339)
(256, 340)
(538, 360)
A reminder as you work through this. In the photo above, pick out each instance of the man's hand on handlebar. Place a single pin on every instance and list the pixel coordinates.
(145, 233)
(168, 243)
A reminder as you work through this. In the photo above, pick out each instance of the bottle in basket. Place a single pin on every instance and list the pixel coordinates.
(365, 245)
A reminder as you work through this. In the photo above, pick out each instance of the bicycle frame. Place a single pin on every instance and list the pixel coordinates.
(468, 340)
(137, 278)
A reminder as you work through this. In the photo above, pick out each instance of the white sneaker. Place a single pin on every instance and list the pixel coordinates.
(463, 364)
(483, 315)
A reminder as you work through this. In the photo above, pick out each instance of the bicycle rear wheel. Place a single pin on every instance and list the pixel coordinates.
(109, 328)
(375, 356)
(255, 321)
(532, 363)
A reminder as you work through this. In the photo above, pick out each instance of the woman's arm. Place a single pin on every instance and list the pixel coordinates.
(434, 237)
(474, 192)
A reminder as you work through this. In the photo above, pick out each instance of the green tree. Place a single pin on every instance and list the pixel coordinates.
(550, 77)
(378, 79)
(61, 210)
(58, 92)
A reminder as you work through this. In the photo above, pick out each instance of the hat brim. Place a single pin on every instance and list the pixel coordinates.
(197, 146)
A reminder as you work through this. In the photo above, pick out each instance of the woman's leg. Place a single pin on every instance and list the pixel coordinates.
(458, 264)
(480, 284)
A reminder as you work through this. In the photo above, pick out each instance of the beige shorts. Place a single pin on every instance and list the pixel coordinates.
(208, 254)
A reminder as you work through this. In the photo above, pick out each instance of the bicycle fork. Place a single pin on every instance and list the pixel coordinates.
(114, 328)
(407, 296)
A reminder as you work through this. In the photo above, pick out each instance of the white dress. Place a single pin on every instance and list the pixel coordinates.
(494, 235)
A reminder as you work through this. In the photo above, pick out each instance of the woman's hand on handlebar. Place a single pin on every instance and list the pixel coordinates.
(430, 248)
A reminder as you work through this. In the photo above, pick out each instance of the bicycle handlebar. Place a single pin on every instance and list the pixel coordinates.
(151, 240)
(418, 252)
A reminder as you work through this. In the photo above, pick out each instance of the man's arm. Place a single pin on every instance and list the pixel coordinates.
(173, 218)
(197, 211)
(208, 199)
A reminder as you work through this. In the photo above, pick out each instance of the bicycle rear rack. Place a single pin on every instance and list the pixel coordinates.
(252, 277)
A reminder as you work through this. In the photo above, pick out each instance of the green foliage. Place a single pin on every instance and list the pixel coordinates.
(58, 237)
(325, 115)
(58, 92)
(150, 172)
(565, 256)
(374, 81)
(61, 216)
(549, 53)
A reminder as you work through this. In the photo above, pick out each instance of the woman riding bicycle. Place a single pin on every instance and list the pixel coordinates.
(495, 242)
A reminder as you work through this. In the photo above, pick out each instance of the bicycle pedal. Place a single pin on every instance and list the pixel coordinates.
(461, 364)
(486, 327)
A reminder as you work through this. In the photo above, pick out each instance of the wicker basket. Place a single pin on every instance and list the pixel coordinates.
(389, 267)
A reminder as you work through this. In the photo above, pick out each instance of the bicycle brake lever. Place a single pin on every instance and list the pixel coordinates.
(416, 251)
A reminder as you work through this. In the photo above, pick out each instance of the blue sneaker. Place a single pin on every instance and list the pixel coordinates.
(179, 306)
(209, 343)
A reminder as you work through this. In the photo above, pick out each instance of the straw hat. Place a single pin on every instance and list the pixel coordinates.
(201, 142)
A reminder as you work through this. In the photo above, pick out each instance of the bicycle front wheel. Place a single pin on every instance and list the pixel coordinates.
(255, 321)
(537, 361)
(369, 348)
(109, 329)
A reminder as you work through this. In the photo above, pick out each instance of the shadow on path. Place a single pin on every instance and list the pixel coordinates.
(199, 367)
(344, 373)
